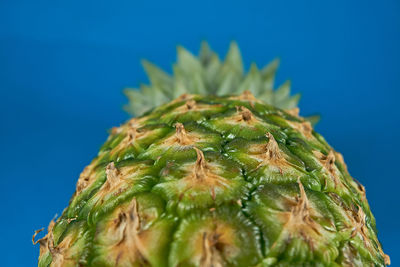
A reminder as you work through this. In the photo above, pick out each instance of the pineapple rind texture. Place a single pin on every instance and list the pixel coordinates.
(215, 181)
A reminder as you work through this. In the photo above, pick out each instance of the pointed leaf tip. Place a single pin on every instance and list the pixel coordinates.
(253, 68)
(183, 52)
(234, 57)
(271, 68)
(313, 119)
(205, 53)
(205, 46)
(187, 61)
(233, 45)
(234, 52)
(153, 71)
(147, 65)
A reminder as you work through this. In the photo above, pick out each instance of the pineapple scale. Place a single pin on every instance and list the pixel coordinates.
(215, 181)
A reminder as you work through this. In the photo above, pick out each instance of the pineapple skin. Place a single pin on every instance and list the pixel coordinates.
(215, 181)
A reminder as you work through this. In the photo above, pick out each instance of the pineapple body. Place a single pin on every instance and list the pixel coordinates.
(222, 171)
(215, 181)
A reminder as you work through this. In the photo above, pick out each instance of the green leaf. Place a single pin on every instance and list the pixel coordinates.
(208, 75)
(234, 58)
(313, 119)
(205, 53)
(268, 74)
(188, 62)
(282, 92)
(252, 81)
(158, 77)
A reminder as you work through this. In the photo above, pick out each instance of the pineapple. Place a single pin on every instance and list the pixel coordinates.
(217, 169)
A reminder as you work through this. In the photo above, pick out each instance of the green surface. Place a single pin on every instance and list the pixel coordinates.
(245, 184)
(208, 75)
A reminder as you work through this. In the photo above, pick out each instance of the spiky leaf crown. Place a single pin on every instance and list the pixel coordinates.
(208, 75)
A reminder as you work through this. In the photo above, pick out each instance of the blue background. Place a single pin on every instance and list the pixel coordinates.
(63, 65)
